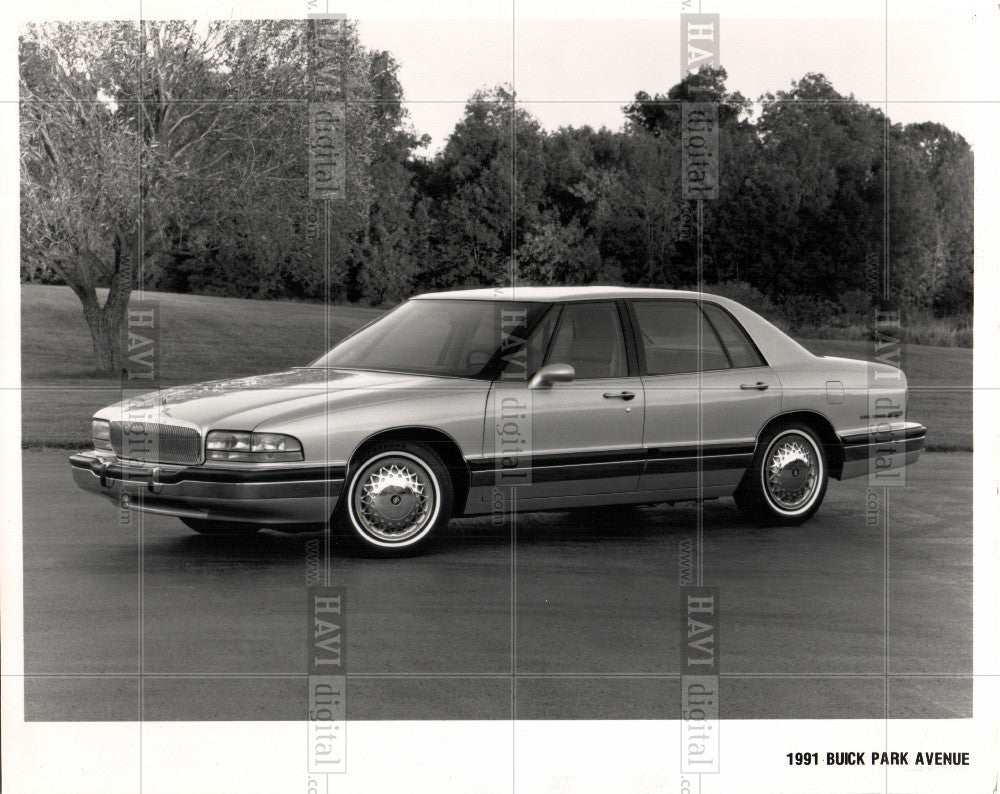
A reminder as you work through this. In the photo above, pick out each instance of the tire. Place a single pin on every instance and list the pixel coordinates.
(786, 481)
(398, 494)
(230, 529)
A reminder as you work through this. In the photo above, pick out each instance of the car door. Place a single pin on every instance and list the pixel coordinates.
(708, 393)
(581, 437)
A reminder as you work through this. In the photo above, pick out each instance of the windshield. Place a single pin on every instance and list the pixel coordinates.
(453, 338)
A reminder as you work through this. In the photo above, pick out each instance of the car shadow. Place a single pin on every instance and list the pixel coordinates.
(635, 524)
(720, 518)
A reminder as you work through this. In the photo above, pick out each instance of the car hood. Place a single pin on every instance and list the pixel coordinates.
(244, 403)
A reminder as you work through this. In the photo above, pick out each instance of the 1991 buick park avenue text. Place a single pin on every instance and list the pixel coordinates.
(579, 396)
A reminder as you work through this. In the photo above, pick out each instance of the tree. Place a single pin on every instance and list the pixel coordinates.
(636, 209)
(659, 117)
(174, 154)
(661, 114)
(820, 185)
(134, 147)
(395, 236)
(485, 187)
(945, 158)
(559, 254)
(80, 207)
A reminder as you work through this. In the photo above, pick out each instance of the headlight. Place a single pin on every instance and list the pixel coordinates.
(100, 433)
(256, 447)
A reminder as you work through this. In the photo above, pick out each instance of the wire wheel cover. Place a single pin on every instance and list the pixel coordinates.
(791, 471)
(394, 498)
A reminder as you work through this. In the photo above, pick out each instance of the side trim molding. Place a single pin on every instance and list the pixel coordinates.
(621, 463)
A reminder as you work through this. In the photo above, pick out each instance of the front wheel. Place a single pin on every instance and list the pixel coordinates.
(229, 529)
(787, 479)
(398, 493)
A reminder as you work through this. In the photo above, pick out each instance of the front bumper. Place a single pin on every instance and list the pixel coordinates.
(256, 494)
(883, 455)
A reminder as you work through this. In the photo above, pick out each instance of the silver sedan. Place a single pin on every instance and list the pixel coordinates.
(485, 401)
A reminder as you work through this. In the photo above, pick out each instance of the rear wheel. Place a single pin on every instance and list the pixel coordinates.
(787, 480)
(398, 493)
(204, 526)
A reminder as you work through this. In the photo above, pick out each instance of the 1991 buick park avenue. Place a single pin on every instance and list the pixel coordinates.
(575, 396)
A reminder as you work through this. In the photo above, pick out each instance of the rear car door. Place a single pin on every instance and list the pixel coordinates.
(708, 393)
(584, 436)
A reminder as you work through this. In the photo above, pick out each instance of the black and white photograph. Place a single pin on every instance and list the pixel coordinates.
(500, 396)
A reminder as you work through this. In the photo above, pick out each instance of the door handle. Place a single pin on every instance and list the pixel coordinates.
(623, 395)
(759, 386)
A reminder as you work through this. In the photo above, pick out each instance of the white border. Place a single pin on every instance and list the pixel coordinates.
(480, 756)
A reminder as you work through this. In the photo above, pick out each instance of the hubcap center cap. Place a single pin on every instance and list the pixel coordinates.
(793, 476)
(394, 503)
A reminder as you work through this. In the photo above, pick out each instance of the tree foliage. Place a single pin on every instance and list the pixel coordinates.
(173, 155)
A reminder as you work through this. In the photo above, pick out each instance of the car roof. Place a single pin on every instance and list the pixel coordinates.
(551, 294)
(774, 343)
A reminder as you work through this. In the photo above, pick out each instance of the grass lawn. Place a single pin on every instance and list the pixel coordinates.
(203, 338)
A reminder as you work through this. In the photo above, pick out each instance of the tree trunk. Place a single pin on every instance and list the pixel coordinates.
(105, 322)
(104, 337)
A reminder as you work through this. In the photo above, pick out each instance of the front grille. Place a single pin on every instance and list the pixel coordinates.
(155, 443)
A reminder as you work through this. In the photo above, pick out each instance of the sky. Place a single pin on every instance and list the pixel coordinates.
(582, 70)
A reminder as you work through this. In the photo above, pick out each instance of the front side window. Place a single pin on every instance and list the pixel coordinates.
(676, 338)
(539, 341)
(590, 340)
(449, 337)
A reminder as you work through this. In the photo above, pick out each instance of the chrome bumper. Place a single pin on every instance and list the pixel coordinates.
(285, 495)
(882, 454)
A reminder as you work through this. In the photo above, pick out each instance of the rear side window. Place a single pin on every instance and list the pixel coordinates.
(738, 344)
(677, 338)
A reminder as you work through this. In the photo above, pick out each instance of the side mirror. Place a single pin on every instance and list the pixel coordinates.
(551, 373)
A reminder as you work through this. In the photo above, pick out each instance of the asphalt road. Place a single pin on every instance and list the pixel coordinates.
(836, 619)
